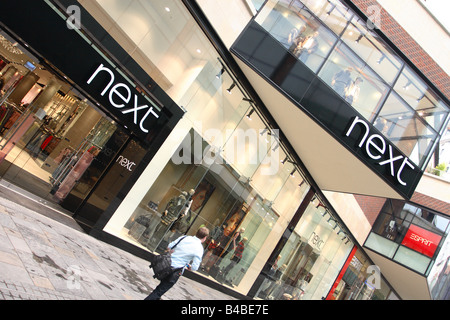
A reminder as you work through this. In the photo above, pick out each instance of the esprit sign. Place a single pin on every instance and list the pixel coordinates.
(421, 240)
(120, 97)
(376, 147)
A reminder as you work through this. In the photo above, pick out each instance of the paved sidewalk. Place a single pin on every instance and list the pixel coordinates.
(44, 259)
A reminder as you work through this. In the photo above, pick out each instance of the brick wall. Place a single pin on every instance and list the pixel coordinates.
(432, 203)
(371, 206)
(409, 47)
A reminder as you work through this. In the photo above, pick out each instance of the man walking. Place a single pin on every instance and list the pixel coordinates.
(189, 250)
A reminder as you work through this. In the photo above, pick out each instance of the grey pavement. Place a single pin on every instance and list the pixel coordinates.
(51, 258)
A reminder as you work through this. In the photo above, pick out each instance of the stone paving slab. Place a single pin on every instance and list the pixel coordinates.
(43, 259)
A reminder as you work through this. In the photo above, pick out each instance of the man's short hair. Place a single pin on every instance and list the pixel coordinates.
(202, 232)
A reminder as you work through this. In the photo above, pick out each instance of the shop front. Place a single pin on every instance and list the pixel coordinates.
(74, 127)
(143, 131)
(307, 261)
(223, 165)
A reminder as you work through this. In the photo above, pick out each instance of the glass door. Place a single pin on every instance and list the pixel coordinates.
(54, 143)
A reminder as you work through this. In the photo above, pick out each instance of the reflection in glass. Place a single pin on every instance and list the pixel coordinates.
(417, 94)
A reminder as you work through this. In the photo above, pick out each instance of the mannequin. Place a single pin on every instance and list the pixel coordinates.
(176, 208)
(182, 223)
(391, 229)
(352, 93)
(75, 174)
(234, 260)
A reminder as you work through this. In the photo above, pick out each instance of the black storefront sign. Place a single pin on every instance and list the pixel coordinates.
(65, 49)
(266, 56)
(119, 98)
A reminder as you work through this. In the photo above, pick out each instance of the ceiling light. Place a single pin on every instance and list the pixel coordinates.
(220, 73)
(381, 59)
(406, 86)
(250, 114)
(231, 87)
(167, 9)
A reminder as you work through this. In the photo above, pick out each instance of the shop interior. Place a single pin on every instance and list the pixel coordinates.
(50, 133)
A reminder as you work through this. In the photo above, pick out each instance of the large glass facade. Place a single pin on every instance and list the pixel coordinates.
(222, 166)
(351, 59)
(223, 159)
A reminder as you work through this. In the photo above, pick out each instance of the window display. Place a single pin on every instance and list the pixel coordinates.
(187, 196)
(408, 234)
(52, 138)
(310, 260)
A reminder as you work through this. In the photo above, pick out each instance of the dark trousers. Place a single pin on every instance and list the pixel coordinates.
(164, 286)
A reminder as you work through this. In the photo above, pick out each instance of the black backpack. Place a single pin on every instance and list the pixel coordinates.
(162, 264)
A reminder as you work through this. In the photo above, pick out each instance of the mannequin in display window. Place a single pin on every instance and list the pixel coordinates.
(341, 81)
(295, 38)
(352, 92)
(307, 47)
(175, 208)
(76, 173)
(391, 229)
(234, 260)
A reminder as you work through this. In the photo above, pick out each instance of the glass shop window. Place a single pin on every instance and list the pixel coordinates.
(309, 261)
(419, 96)
(373, 52)
(299, 31)
(332, 13)
(404, 128)
(350, 77)
(172, 205)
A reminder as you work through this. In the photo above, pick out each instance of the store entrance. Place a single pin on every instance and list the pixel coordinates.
(54, 143)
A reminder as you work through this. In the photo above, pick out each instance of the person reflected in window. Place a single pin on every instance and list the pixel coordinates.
(341, 81)
(352, 92)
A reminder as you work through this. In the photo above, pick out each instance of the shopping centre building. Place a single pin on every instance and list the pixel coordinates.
(300, 130)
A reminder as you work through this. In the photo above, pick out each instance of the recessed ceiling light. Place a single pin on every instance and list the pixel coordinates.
(199, 51)
(167, 9)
